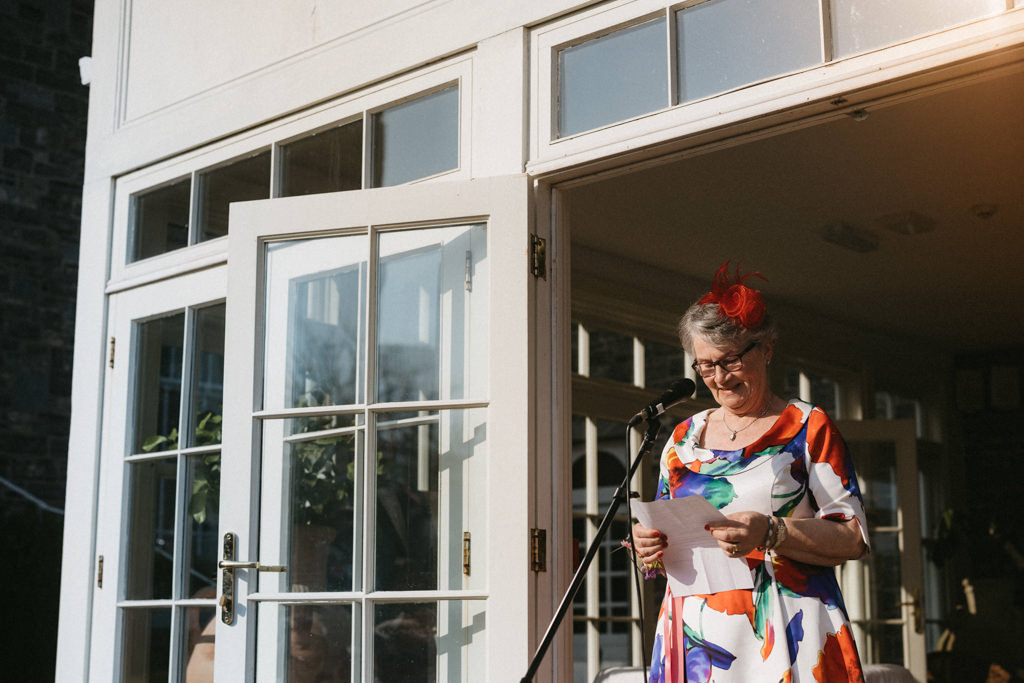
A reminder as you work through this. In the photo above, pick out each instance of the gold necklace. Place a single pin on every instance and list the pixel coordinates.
(732, 437)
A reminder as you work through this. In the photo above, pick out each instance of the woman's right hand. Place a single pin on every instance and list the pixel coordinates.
(649, 544)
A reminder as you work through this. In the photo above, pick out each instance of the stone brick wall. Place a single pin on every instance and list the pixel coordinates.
(43, 107)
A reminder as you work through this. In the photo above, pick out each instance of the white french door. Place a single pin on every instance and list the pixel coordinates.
(375, 498)
(883, 590)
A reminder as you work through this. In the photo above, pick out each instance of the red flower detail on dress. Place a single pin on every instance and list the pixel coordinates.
(735, 300)
(838, 662)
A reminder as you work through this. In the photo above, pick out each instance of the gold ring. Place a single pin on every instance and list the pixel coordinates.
(735, 549)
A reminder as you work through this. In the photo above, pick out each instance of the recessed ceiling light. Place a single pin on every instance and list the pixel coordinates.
(849, 236)
(907, 223)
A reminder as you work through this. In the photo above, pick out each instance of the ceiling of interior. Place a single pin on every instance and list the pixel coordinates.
(950, 157)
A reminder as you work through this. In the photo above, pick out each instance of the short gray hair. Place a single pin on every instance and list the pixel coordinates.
(720, 331)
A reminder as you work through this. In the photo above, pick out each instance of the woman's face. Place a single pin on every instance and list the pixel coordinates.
(742, 391)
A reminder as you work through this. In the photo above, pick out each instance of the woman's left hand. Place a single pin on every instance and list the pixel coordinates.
(740, 532)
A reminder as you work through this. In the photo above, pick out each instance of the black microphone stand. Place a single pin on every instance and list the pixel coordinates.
(621, 494)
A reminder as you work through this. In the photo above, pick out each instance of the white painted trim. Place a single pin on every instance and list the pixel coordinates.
(826, 91)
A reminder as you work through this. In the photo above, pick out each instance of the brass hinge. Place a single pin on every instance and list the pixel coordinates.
(538, 257)
(113, 341)
(99, 572)
(465, 553)
(538, 550)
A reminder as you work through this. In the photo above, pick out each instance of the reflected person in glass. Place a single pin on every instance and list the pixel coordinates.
(781, 474)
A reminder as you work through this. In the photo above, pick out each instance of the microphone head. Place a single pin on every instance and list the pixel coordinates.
(679, 390)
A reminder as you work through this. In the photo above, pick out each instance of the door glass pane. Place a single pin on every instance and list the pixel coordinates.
(316, 643)
(153, 487)
(432, 294)
(663, 364)
(201, 525)
(147, 644)
(724, 44)
(200, 626)
(315, 322)
(429, 642)
(241, 181)
(862, 25)
(416, 139)
(613, 78)
(207, 397)
(159, 220)
(309, 474)
(160, 349)
(328, 161)
(611, 355)
(430, 465)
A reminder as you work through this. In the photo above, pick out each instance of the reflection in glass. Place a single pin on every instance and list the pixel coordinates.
(153, 486)
(200, 624)
(862, 25)
(147, 644)
(432, 294)
(328, 161)
(725, 44)
(321, 484)
(404, 643)
(416, 139)
(407, 503)
(316, 643)
(613, 78)
(875, 464)
(159, 220)
(201, 523)
(208, 376)
(158, 383)
(315, 322)
(241, 181)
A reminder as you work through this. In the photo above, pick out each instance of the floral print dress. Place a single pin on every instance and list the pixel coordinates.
(792, 626)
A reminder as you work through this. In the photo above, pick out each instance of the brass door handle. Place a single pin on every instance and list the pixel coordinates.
(227, 565)
(917, 609)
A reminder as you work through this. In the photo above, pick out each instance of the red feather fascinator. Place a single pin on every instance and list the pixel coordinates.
(735, 300)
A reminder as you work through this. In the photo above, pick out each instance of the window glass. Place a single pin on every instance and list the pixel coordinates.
(663, 364)
(862, 25)
(724, 44)
(613, 78)
(241, 181)
(328, 161)
(432, 294)
(315, 322)
(160, 219)
(160, 349)
(416, 139)
(147, 644)
(611, 355)
(153, 487)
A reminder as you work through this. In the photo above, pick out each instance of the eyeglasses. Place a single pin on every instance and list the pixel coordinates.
(706, 368)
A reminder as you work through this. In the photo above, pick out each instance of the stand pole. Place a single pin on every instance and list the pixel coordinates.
(653, 427)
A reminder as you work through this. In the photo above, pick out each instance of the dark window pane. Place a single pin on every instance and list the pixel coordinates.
(158, 384)
(147, 644)
(663, 365)
(153, 486)
(613, 78)
(201, 524)
(611, 356)
(328, 161)
(416, 139)
(238, 182)
(208, 376)
(160, 220)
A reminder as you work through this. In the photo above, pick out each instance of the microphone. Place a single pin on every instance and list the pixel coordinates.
(677, 393)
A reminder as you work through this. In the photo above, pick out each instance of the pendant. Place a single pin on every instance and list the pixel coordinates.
(732, 437)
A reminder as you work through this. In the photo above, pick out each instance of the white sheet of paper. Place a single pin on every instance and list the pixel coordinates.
(693, 560)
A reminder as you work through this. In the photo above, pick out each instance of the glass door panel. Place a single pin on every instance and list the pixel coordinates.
(157, 523)
(371, 436)
(883, 589)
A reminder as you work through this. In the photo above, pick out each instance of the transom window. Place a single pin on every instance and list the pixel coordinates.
(696, 50)
(391, 145)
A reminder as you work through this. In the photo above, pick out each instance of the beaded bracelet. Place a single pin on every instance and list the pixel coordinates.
(776, 534)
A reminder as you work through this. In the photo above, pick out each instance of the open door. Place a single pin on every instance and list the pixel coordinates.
(883, 590)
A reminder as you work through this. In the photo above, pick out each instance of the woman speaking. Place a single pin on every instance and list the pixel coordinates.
(781, 474)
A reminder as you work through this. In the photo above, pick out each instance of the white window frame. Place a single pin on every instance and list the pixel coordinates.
(824, 91)
(124, 275)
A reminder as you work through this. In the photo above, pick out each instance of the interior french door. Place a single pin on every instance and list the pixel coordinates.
(375, 503)
(883, 590)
